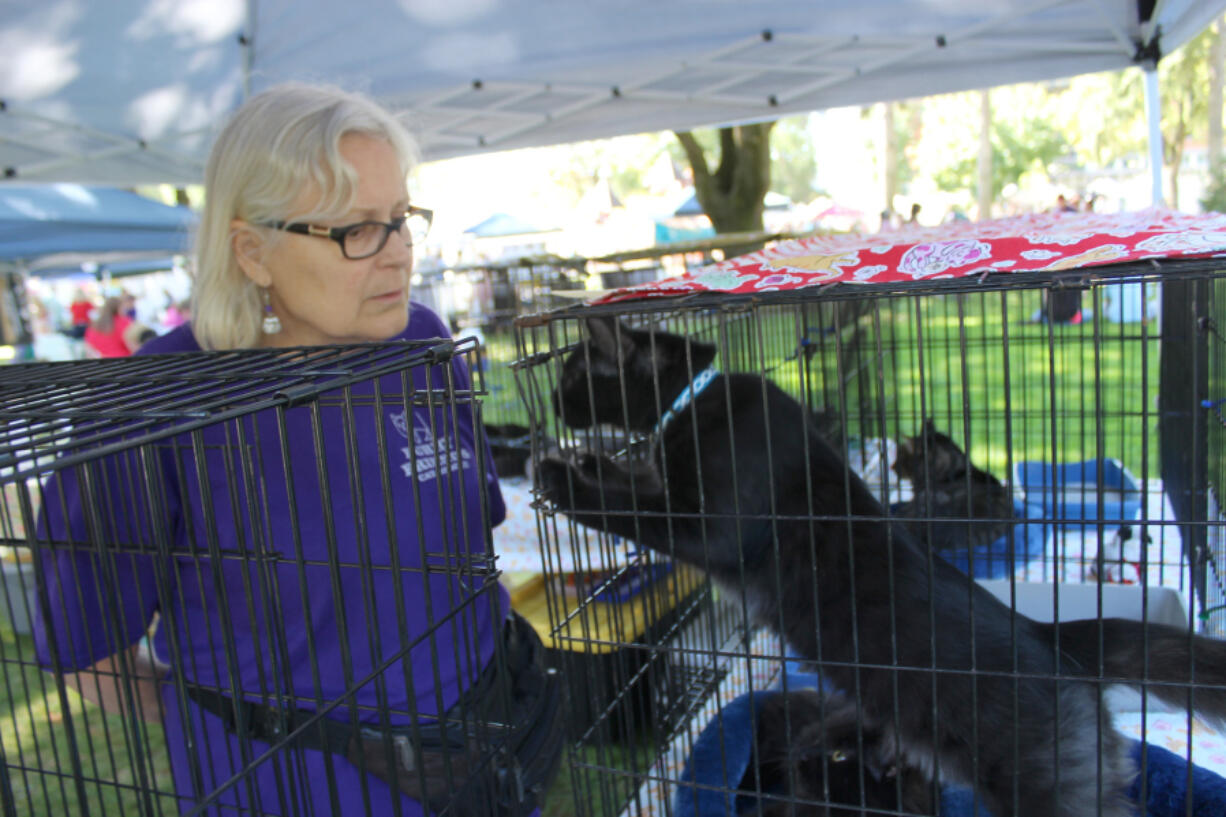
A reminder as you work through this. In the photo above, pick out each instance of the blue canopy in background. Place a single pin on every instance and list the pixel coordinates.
(62, 224)
(502, 224)
(92, 271)
(772, 201)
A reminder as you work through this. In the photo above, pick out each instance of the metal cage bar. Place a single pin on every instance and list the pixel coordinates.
(1096, 437)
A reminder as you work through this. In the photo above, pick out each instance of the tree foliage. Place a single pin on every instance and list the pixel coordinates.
(1215, 193)
(1184, 84)
(623, 161)
(1116, 131)
(793, 164)
(1018, 147)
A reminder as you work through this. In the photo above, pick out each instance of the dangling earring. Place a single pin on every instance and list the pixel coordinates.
(272, 324)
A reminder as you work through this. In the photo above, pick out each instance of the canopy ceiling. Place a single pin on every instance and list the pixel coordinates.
(129, 91)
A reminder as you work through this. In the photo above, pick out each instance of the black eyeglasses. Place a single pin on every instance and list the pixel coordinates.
(366, 238)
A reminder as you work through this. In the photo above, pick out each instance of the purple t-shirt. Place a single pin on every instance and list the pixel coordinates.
(304, 588)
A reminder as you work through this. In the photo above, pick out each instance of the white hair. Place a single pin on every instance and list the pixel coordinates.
(276, 143)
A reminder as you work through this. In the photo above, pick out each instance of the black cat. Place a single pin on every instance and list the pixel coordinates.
(814, 755)
(949, 488)
(510, 445)
(741, 485)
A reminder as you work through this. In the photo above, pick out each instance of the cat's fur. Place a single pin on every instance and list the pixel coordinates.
(814, 754)
(741, 485)
(948, 488)
(510, 446)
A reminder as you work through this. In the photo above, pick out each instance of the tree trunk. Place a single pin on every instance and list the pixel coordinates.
(733, 196)
(1174, 153)
(984, 189)
(1217, 65)
(891, 159)
(1174, 183)
(915, 135)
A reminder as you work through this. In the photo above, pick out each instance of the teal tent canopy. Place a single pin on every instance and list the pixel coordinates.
(504, 224)
(66, 224)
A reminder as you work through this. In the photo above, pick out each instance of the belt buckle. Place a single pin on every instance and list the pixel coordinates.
(401, 743)
(404, 749)
(271, 720)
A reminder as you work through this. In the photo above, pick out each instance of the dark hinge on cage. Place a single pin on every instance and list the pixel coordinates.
(299, 395)
(441, 352)
(538, 358)
(1208, 326)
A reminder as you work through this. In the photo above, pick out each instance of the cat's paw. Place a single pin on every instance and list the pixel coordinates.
(588, 464)
(552, 479)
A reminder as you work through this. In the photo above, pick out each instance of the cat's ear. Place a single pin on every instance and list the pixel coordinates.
(607, 336)
(929, 426)
(676, 353)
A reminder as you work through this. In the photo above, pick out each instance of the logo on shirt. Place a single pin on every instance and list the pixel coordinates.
(428, 456)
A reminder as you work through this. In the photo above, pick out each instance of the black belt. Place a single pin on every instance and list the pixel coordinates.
(492, 753)
(272, 723)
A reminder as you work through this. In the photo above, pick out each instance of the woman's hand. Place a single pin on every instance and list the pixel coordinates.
(102, 684)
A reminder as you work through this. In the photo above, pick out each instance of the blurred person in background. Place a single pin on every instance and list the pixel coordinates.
(111, 332)
(81, 309)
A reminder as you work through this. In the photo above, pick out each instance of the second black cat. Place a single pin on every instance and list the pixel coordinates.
(954, 503)
(816, 758)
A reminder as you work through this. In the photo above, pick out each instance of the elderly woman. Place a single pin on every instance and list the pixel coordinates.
(307, 239)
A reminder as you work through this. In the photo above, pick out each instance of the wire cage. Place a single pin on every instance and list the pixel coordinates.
(483, 298)
(1049, 440)
(284, 528)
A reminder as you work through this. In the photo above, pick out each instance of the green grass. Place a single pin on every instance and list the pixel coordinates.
(596, 781)
(1006, 389)
(116, 764)
(502, 403)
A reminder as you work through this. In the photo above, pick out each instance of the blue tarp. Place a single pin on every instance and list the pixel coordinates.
(502, 224)
(42, 220)
(109, 269)
(669, 235)
(691, 207)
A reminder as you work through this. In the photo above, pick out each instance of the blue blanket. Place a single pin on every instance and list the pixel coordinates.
(1001, 558)
(722, 753)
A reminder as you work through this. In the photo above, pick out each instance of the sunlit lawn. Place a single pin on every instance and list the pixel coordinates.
(595, 781)
(1006, 388)
(1023, 390)
(502, 403)
(116, 764)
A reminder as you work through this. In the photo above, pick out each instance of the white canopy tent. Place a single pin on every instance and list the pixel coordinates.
(129, 91)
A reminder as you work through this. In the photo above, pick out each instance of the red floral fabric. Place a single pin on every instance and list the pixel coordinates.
(1042, 241)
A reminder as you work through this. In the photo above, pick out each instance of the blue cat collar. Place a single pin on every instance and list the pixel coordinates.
(700, 382)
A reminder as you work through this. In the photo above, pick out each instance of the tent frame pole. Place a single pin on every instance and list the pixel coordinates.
(247, 43)
(1153, 116)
